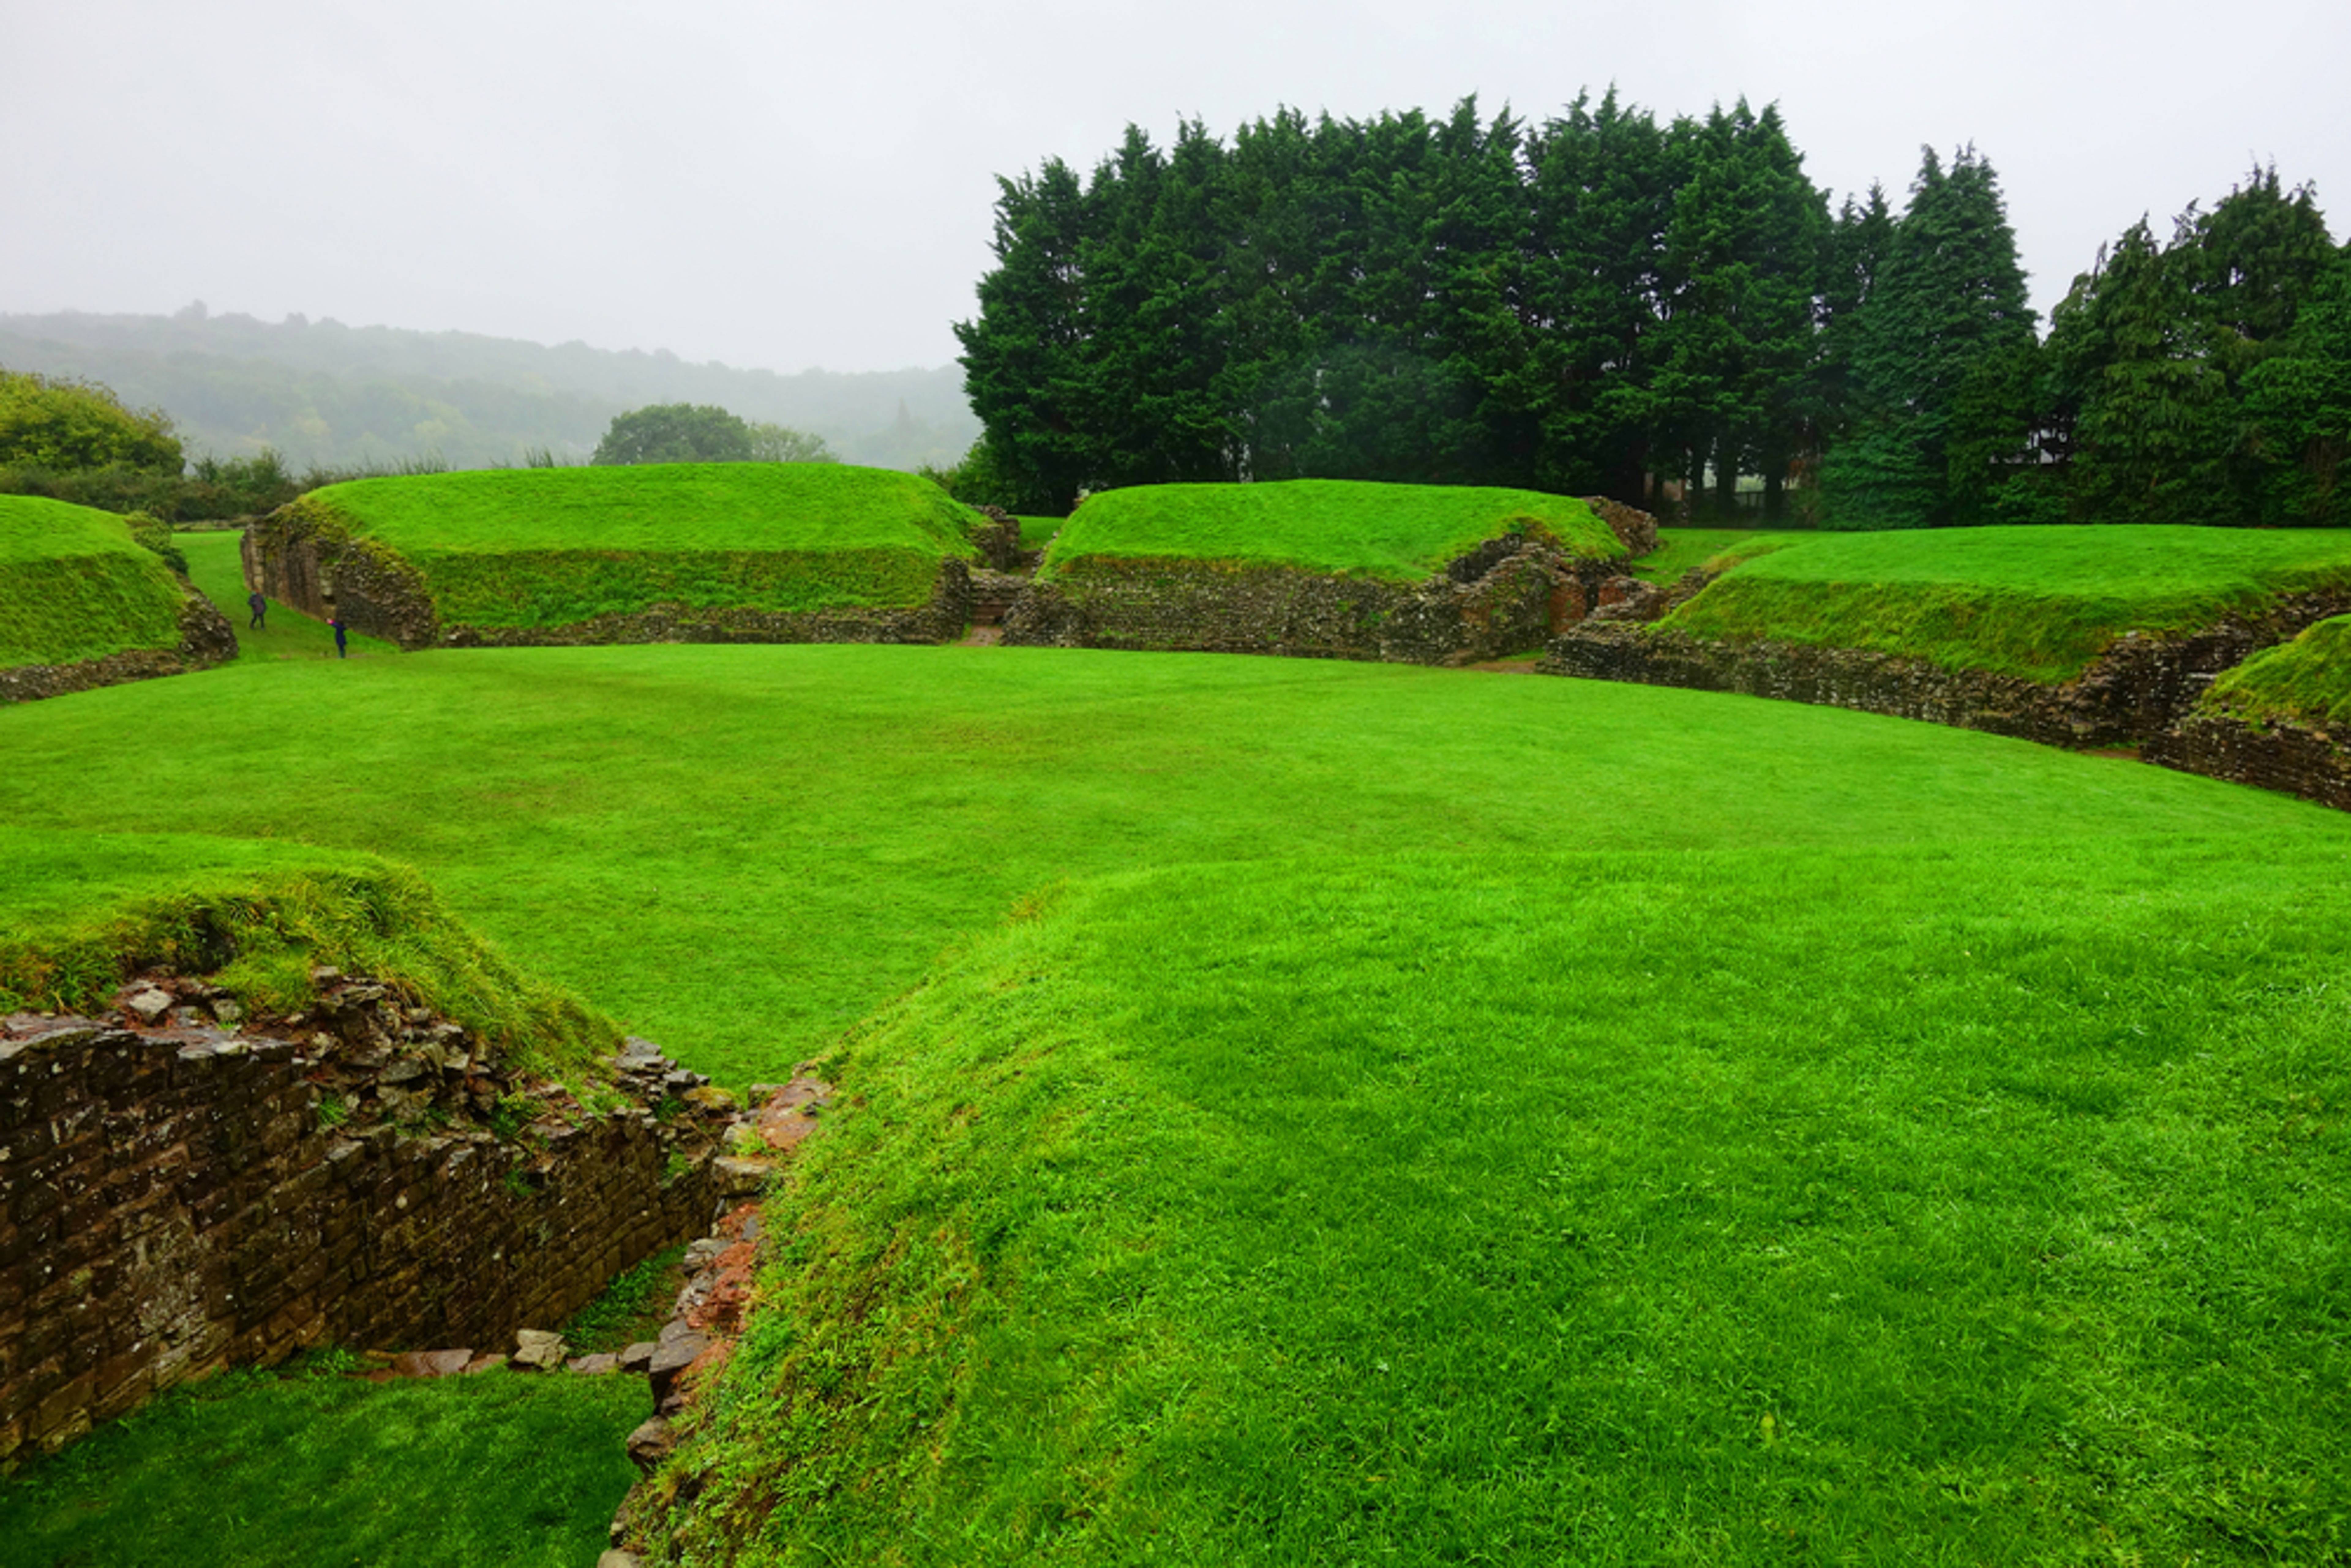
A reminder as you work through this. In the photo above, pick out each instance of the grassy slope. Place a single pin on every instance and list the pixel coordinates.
(73, 586)
(2041, 602)
(740, 852)
(214, 565)
(80, 912)
(1975, 1118)
(1679, 549)
(555, 546)
(2307, 681)
(262, 1471)
(1397, 532)
(1988, 1203)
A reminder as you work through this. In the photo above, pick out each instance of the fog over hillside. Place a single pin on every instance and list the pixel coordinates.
(322, 393)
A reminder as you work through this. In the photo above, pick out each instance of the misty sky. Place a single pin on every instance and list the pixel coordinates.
(798, 186)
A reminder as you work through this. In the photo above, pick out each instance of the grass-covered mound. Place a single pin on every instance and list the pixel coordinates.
(532, 550)
(1317, 568)
(80, 913)
(2306, 681)
(75, 586)
(2039, 603)
(1992, 1203)
(1390, 533)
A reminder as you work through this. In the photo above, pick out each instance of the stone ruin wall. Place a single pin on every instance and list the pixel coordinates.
(299, 558)
(2293, 759)
(2136, 692)
(205, 638)
(172, 1202)
(1508, 595)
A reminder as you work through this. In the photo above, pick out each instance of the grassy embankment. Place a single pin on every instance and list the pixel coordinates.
(1036, 533)
(74, 586)
(1983, 1204)
(214, 565)
(268, 1470)
(2039, 602)
(2306, 681)
(554, 547)
(1717, 550)
(1397, 533)
(1890, 1139)
(80, 912)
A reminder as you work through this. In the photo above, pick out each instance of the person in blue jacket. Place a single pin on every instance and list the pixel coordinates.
(342, 650)
(260, 604)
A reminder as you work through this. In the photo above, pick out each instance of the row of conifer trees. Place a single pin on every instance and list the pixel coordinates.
(1605, 304)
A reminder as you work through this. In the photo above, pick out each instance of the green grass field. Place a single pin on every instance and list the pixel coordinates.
(74, 586)
(2040, 602)
(214, 565)
(740, 853)
(1679, 549)
(1399, 533)
(2306, 681)
(1310, 1112)
(266, 1472)
(543, 546)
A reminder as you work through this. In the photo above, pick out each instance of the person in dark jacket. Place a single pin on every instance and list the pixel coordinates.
(260, 604)
(341, 650)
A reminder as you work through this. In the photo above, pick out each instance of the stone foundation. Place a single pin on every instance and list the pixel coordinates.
(205, 638)
(2134, 692)
(302, 556)
(178, 1198)
(1508, 595)
(2297, 759)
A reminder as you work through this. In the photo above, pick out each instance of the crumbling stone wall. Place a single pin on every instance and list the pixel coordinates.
(2298, 760)
(205, 638)
(2139, 689)
(1508, 595)
(303, 556)
(173, 1200)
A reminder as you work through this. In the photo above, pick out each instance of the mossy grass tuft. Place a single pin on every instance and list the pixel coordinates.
(82, 912)
(2039, 602)
(541, 547)
(2306, 681)
(1397, 533)
(74, 585)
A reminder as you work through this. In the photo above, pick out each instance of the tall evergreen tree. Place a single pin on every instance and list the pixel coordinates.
(1744, 248)
(1023, 355)
(2298, 405)
(2154, 423)
(1601, 189)
(1949, 292)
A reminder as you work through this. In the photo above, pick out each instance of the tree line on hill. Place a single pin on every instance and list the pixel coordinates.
(1605, 304)
(320, 393)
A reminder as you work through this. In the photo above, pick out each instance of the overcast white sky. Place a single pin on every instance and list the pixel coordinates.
(797, 184)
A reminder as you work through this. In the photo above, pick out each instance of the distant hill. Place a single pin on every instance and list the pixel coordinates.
(321, 392)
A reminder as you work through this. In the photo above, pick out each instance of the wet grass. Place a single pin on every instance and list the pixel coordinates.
(262, 1470)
